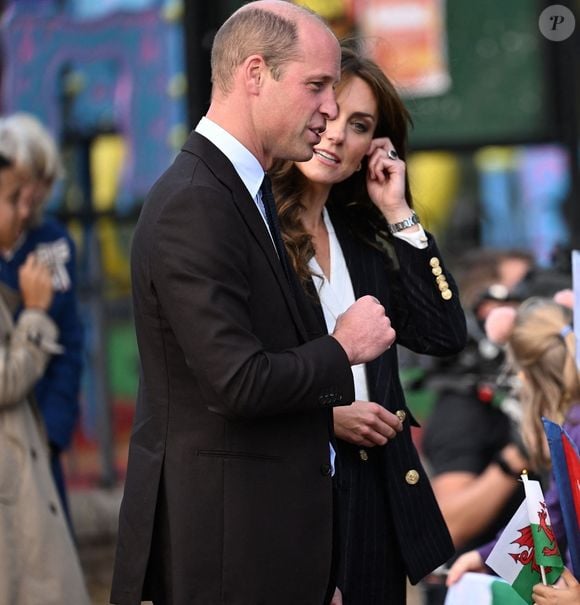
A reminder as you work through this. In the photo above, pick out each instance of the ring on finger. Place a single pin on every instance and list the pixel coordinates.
(393, 155)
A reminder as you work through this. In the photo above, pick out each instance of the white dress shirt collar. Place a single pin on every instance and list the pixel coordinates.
(244, 162)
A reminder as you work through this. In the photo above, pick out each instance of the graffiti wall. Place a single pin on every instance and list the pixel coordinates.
(86, 71)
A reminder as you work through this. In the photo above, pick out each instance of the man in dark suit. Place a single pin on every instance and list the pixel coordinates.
(228, 497)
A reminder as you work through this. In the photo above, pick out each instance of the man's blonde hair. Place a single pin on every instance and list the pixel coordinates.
(256, 31)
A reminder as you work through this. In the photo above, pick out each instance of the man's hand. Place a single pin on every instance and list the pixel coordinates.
(364, 331)
(365, 423)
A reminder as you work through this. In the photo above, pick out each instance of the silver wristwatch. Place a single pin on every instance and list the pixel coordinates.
(408, 222)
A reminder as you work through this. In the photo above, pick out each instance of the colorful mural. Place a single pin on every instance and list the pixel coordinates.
(85, 72)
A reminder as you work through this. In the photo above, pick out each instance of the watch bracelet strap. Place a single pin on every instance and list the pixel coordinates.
(404, 224)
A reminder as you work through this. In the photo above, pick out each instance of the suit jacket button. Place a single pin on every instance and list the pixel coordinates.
(401, 415)
(363, 454)
(446, 294)
(434, 262)
(325, 469)
(437, 271)
(412, 477)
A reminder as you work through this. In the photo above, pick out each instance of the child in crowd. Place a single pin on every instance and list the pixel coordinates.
(57, 392)
(38, 560)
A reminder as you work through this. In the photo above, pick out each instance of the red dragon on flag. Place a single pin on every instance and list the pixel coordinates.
(526, 541)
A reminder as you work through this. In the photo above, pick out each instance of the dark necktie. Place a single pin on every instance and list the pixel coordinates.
(272, 218)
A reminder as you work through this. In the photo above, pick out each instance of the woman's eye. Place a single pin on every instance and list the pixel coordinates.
(360, 127)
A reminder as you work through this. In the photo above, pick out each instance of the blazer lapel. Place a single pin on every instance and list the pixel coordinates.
(364, 276)
(224, 171)
(354, 261)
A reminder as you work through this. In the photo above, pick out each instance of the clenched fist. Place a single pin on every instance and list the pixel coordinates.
(364, 331)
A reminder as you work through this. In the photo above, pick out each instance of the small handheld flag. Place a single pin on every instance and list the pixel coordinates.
(546, 552)
(482, 589)
(526, 552)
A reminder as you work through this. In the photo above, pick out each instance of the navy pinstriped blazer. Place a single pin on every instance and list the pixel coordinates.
(426, 323)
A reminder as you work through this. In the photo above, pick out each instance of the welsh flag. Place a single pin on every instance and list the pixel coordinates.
(527, 543)
(546, 549)
(482, 589)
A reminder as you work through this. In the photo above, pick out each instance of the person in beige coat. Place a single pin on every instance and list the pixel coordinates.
(38, 560)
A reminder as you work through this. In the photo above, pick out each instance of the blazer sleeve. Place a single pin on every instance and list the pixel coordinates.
(427, 321)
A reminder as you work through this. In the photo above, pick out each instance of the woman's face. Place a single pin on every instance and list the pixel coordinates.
(346, 140)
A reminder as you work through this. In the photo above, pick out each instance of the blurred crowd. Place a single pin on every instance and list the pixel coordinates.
(483, 429)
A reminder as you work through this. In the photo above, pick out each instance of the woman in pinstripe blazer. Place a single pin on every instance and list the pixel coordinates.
(350, 230)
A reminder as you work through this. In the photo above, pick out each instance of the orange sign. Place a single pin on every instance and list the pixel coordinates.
(408, 40)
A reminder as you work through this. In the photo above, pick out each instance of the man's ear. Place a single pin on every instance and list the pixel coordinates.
(254, 70)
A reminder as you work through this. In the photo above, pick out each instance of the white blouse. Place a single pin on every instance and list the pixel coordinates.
(336, 295)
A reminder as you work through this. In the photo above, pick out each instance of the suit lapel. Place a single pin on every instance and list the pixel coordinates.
(224, 171)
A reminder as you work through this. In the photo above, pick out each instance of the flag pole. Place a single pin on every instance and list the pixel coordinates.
(524, 477)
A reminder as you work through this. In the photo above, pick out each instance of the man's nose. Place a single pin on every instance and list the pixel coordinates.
(329, 108)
